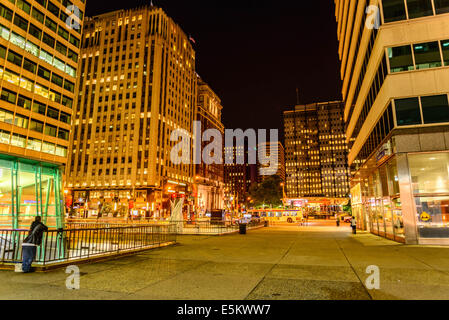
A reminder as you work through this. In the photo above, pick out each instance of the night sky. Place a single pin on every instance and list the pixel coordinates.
(255, 53)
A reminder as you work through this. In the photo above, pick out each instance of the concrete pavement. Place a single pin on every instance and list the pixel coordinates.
(314, 262)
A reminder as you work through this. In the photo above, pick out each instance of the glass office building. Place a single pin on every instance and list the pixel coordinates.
(39, 50)
(395, 86)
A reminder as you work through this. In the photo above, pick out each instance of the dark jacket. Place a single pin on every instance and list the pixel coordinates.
(36, 233)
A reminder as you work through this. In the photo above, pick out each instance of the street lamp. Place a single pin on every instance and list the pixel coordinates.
(283, 193)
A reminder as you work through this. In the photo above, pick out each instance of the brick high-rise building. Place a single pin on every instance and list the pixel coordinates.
(209, 178)
(316, 151)
(39, 49)
(239, 177)
(137, 84)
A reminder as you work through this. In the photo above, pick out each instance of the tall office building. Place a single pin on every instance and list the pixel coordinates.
(316, 151)
(39, 49)
(239, 177)
(276, 164)
(395, 87)
(209, 178)
(137, 84)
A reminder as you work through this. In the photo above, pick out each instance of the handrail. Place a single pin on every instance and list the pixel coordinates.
(79, 243)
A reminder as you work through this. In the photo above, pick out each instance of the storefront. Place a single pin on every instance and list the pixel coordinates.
(27, 189)
(376, 199)
(429, 174)
(404, 197)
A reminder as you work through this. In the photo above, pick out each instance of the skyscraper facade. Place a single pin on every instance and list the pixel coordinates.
(137, 85)
(238, 177)
(209, 178)
(39, 50)
(316, 151)
(395, 58)
(276, 164)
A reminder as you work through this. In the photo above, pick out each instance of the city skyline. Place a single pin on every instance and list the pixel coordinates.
(273, 53)
(203, 150)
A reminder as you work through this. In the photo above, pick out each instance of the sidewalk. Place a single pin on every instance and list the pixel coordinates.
(271, 263)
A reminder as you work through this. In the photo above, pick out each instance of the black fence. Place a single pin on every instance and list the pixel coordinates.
(184, 227)
(81, 243)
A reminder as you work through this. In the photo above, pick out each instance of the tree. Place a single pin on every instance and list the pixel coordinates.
(348, 208)
(267, 193)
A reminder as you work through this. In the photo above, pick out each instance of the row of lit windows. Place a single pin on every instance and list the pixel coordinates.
(35, 125)
(39, 16)
(32, 67)
(33, 87)
(419, 56)
(35, 106)
(38, 34)
(30, 47)
(18, 140)
(397, 10)
(382, 129)
(377, 84)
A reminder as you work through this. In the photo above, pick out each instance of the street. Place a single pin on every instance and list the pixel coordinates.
(319, 262)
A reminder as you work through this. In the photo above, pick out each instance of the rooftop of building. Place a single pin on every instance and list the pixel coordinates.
(311, 106)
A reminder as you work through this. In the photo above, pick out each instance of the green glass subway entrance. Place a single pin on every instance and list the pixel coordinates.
(28, 189)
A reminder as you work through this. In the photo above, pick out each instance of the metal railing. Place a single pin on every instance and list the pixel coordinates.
(184, 227)
(204, 227)
(81, 243)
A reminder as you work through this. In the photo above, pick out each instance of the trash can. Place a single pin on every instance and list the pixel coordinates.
(242, 228)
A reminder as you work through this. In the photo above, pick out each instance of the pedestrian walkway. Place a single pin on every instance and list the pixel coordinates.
(291, 262)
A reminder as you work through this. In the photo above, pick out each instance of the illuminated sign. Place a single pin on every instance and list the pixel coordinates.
(425, 217)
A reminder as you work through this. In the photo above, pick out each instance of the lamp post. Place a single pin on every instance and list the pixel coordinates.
(283, 194)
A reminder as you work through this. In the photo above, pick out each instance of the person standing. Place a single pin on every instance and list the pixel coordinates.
(354, 225)
(30, 244)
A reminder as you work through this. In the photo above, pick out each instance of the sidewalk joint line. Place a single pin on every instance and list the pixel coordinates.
(353, 269)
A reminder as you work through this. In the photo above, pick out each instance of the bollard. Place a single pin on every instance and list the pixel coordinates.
(242, 228)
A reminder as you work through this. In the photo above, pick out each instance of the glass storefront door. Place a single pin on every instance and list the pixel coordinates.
(29, 189)
(430, 183)
(388, 218)
(5, 194)
(373, 217)
(398, 221)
